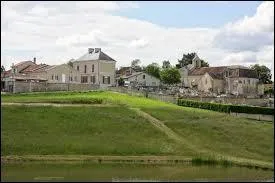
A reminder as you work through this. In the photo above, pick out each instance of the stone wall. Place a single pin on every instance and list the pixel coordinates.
(23, 87)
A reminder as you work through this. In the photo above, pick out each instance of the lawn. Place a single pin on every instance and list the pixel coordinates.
(81, 130)
(119, 130)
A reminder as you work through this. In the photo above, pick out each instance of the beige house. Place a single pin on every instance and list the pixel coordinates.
(236, 80)
(95, 67)
(140, 79)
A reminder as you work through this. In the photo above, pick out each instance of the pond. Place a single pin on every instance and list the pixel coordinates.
(128, 172)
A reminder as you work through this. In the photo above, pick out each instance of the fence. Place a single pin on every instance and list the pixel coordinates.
(24, 87)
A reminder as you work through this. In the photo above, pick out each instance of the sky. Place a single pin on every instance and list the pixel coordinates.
(220, 32)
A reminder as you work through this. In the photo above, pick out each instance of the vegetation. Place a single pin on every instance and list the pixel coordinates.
(120, 82)
(2, 69)
(127, 172)
(153, 69)
(119, 130)
(226, 107)
(170, 76)
(187, 59)
(263, 72)
(166, 64)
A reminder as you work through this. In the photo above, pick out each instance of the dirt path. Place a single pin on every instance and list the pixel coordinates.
(173, 135)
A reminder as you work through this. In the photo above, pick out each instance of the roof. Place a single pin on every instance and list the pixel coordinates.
(99, 55)
(132, 75)
(34, 68)
(23, 62)
(248, 73)
(214, 72)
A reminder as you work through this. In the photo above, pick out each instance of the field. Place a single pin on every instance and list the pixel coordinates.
(122, 125)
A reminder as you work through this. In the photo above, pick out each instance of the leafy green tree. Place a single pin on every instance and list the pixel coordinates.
(187, 59)
(263, 72)
(120, 82)
(153, 69)
(170, 76)
(135, 64)
(166, 64)
(70, 62)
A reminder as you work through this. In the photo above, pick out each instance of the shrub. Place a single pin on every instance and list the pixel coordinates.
(226, 107)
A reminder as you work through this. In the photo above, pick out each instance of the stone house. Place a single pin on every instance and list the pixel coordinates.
(140, 79)
(95, 67)
(236, 80)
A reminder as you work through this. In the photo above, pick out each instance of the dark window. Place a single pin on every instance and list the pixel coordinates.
(248, 81)
(93, 68)
(143, 76)
(77, 67)
(84, 79)
(106, 80)
(93, 79)
(71, 78)
(56, 77)
(85, 69)
(52, 77)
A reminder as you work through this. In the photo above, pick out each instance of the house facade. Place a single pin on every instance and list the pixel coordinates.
(236, 80)
(95, 67)
(140, 79)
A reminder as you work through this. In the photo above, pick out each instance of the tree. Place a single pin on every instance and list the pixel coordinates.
(120, 82)
(135, 65)
(170, 76)
(70, 62)
(2, 69)
(166, 64)
(263, 72)
(153, 69)
(187, 59)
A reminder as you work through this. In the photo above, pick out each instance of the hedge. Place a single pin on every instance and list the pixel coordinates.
(226, 107)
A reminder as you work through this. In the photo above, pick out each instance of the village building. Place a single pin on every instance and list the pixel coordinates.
(236, 80)
(140, 79)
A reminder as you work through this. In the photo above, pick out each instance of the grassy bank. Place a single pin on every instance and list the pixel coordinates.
(118, 130)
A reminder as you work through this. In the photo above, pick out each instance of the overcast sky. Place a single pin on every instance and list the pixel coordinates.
(222, 33)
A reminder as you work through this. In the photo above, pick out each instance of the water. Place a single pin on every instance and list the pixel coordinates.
(128, 172)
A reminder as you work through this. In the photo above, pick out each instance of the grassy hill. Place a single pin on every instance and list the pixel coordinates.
(117, 129)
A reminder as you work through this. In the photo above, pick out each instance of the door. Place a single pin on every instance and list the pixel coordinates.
(63, 78)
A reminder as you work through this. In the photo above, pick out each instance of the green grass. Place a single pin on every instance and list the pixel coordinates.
(128, 172)
(81, 130)
(118, 130)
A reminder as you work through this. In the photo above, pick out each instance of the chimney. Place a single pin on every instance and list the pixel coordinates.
(90, 50)
(97, 50)
(34, 60)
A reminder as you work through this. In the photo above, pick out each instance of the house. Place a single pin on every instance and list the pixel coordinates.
(236, 80)
(140, 79)
(95, 67)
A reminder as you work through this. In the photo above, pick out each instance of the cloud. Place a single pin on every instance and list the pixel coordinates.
(55, 32)
(249, 33)
(139, 43)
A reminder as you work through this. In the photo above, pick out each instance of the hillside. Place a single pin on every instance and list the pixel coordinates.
(126, 125)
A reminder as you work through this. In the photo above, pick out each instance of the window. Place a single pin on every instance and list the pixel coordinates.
(85, 69)
(248, 81)
(93, 68)
(93, 79)
(56, 77)
(244, 81)
(143, 76)
(84, 79)
(52, 77)
(106, 80)
(77, 68)
(71, 78)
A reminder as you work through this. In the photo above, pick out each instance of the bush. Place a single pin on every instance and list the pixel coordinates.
(226, 107)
